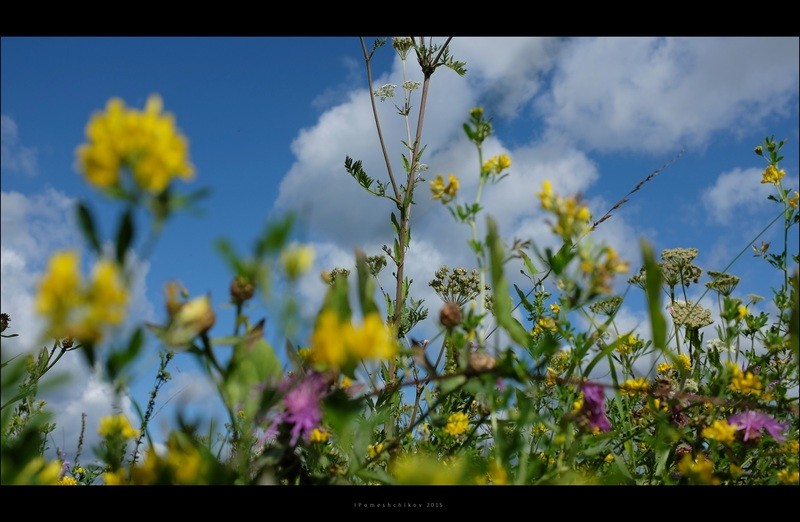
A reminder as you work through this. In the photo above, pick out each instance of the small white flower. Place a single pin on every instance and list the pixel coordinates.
(410, 85)
(385, 91)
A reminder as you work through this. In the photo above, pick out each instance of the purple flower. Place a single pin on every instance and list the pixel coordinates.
(594, 406)
(752, 422)
(301, 402)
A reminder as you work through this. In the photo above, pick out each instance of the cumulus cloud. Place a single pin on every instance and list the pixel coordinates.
(726, 198)
(657, 94)
(15, 157)
(33, 227)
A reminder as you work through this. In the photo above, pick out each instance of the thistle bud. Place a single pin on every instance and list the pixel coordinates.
(758, 150)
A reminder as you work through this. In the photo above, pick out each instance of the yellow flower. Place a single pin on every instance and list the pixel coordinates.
(793, 200)
(496, 164)
(318, 435)
(297, 260)
(346, 382)
(117, 425)
(146, 142)
(546, 195)
(497, 474)
(429, 470)
(37, 471)
(373, 340)
(74, 309)
(60, 289)
(182, 464)
(745, 383)
(555, 308)
(373, 450)
(609, 458)
(544, 324)
(327, 342)
(720, 431)
(452, 186)
(700, 471)
(772, 175)
(788, 477)
(437, 187)
(577, 405)
(685, 362)
(67, 481)
(334, 342)
(664, 367)
(633, 387)
(115, 478)
(791, 448)
(741, 312)
(457, 424)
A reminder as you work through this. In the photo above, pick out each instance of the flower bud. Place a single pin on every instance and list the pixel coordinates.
(758, 150)
(450, 315)
(241, 289)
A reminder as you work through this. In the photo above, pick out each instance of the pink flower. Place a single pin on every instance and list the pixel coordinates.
(302, 405)
(752, 422)
(594, 406)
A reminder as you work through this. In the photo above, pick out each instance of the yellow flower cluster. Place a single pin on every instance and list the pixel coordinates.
(741, 312)
(318, 435)
(664, 367)
(373, 450)
(793, 200)
(117, 425)
(544, 324)
(745, 383)
(600, 270)
(685, 362)
(37, 471)
(633, 387)
(772, 175)
(457, 424)
(75, 309)
(67, 481)
(789, 478)
(145, 142)
(496, 164)
(335, 343)
(572, 218)
(628, 344)
(444, 192)
(577, 405)
(555, 308)
(700, 471)
(182, 464)
(720, 431)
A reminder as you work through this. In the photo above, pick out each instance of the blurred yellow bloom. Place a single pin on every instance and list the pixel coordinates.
(117, 425)
(546, 195)
(742, 312)
(609, 458)
(67, 481)
(74, 309)
(790, 478)
(457, 424)
(182, 464)
(115, 478)
(633, 387)
(373, 450)
(684, 362)
(146, 142)
(555, 308)
(335, 342)
(745, 383)
(664, 367)
(318, 435)
(793, 200)
(445, 192)
(37, 471)
(437, 187)
(297, 260)
(496, 164)
(772, 175)
(452, 186)
(429, 470)
(720, 431)
(698, 472)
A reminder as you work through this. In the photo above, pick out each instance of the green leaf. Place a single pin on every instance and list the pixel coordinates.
(125, 234)
(502, 303)
(451, 384)
(652, 290)
(253, 362)
(118, 360)
(528, 263)
(524, 300)
(86, 222)
(229, 256)
(366, 285)
(275, 236)
(395, 223)
(562, 258)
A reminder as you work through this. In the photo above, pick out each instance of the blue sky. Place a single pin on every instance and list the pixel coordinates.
(270, 121)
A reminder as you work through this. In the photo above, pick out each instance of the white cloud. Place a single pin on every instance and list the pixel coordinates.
(15, 157)
(727, 197)
(657, 94)
(33, 227)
